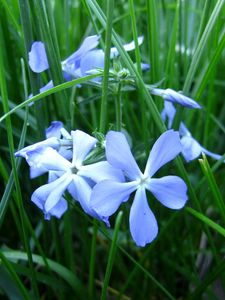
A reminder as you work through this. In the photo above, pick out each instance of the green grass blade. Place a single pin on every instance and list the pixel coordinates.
(111, 258)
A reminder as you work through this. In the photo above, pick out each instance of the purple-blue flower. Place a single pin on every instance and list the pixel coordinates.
(73, 176)
(57, 138)
(175, 97)
(171, 191)
(191, 148)
(83, 60)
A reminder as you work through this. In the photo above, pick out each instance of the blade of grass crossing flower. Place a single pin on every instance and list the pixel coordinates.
(43, 17)
(201, 45)
(111, 258)
(53, 90)
(213, 186)
(108, 34)
(15, 277)
(14, 169)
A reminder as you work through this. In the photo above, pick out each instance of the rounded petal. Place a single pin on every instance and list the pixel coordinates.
(92, 60)
(54, 130)
(175, 97)
(166, 148)
(191, 149)
(107, 196)
(143, 225)
(38, 61)
(118, 154)
(59, 209)
(57, 191)
(171, 191)
(101, 171)
(82, 145)
(40, 195)
(48, 159)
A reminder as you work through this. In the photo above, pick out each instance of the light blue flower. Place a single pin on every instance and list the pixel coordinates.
(57, 138)
(73, 176)
(171, 191)
(191, 149)
(175, 97)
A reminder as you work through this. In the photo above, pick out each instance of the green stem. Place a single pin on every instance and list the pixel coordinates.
(109, 22)
(118, 108)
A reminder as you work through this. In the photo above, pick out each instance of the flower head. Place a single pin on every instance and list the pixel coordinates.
(73, 176)
(107, 195)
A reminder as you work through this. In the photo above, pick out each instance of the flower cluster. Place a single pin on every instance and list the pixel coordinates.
(102, 186)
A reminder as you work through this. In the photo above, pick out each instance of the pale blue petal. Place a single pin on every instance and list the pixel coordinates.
(211, 154)
(54, 130)
(92, 60)
(171, 191)
(127, 47)
(166, 148)
(183, 130)
(118, 154)
(107, 196)
(59, 209)
(51, 142)
(168, 113)
(48, 86)
(191, 149)
(49, 159)
(176, 97)
(101, 171)
(82, 145)
(40, 195)
(56, 193)
(143, 225)
(38, 61)
(88, 44)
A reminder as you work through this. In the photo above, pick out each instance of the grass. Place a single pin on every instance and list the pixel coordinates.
(77, 257)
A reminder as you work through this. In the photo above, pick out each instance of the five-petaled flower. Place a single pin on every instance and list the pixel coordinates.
(73, 176)
(171, 191)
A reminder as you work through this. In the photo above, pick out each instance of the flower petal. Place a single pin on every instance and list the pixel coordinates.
(191, 149)
(57, 191)
(51, 142)
(40, 195)
(171, 191)
(107, 196)
(101, 171)
(38, 61)
(118, 154)
(143, 225)
(168, 112)
(88, 44)
(82, 145)
(54, 130)
(176, 97)
(166, 148)
(59, 209)
(92, 60)
(128, 47)
(48, 159)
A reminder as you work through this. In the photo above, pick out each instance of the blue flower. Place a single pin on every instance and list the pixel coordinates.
(171, 191)
(73, 176)
(191, 149)
(175, 97)
(57, 138)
